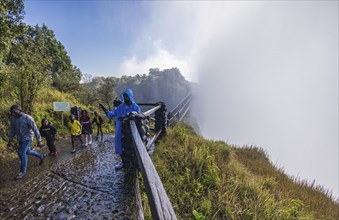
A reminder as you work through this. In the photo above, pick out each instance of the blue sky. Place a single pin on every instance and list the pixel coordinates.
(98, 35)
(272, 64)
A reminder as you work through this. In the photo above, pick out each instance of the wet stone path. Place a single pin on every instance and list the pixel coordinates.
(80, 186)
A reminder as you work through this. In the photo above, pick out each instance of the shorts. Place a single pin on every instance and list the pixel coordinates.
(87, 130)
(76, 137)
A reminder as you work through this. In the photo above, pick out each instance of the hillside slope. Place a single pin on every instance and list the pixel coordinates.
(213, 180)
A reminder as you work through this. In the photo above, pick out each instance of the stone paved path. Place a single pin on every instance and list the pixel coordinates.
(80, 186)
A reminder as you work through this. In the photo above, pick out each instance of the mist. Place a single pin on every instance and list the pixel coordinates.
(268, 76)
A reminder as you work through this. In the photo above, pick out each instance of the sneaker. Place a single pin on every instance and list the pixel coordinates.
(90, 142)
(54, 154)
(73, 151)
(20, 175)
(118, 166)
(42, 160)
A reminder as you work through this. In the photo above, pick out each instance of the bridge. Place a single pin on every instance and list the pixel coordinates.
(86, 185)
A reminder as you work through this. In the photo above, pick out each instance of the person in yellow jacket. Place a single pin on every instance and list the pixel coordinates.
(75, 127)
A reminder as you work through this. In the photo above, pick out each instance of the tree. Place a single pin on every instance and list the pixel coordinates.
(124, 78)
(65, 76)
(11, 15)
(85, 92)
(87, 78)
(106, 91)
(30, 67)
(86, 95)
(154, 71)
(68, 81)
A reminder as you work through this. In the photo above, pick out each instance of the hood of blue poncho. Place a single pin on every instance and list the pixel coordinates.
(129, 92)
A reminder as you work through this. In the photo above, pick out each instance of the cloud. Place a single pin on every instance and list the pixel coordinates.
(159, 58)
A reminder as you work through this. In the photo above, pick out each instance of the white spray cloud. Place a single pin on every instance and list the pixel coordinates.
(272, 81)
(160, 58)
(268, 73)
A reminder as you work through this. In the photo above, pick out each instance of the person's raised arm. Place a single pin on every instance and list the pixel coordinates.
(103, 108)
(109, 114)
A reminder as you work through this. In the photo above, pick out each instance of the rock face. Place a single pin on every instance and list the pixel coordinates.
(168, 86)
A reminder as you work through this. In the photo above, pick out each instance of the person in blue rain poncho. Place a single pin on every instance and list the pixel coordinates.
(128, 105)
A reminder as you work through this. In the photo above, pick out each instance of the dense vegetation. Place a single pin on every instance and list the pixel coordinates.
(213, 180)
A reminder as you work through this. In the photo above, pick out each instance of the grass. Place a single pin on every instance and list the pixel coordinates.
(315, 197)
(212, 180)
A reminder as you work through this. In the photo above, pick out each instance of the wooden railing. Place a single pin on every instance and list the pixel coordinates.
(179, 112)
(160, 205)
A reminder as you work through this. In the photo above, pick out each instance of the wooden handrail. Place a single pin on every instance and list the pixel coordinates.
(150, 142)
(152, 110)
(148, 104)
(175, 109)
(161, 207)
(178, 114)
(186, 108)
(138, 201)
